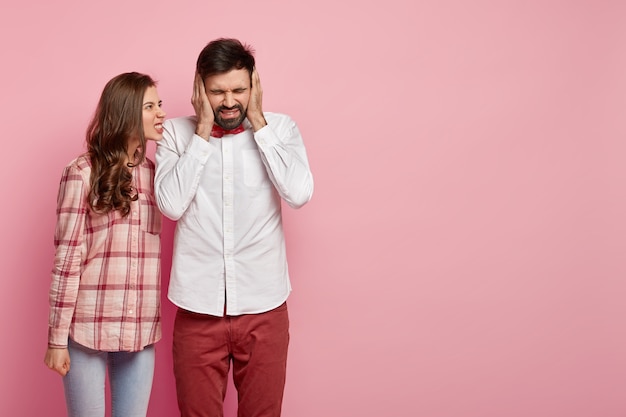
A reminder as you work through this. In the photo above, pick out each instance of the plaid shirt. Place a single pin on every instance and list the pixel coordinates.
(105, 291)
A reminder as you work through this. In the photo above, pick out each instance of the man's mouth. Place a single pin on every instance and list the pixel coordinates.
(230, 113)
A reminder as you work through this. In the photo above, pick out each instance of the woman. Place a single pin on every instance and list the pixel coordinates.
(105, 292)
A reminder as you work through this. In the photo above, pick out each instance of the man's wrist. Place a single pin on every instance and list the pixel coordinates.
(257, 122)
(204, 130)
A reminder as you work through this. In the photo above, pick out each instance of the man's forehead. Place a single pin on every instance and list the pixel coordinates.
(229, 80)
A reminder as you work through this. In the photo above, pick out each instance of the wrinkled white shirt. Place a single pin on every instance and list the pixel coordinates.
(225, 196)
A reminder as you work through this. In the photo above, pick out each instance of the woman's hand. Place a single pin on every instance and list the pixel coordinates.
(58, 360)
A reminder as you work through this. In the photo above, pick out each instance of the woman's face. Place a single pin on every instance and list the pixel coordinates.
(153, 115)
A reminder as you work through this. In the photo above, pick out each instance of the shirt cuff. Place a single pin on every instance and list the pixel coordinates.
(57, 337)
(265, 136)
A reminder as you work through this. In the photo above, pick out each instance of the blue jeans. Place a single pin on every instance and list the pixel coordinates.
(130, 378)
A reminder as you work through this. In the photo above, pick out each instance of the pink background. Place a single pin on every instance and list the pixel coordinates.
(463, 254)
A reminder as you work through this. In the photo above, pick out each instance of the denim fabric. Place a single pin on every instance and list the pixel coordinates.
(130, 378)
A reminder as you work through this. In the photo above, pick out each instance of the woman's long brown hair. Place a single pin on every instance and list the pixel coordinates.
(117, 119)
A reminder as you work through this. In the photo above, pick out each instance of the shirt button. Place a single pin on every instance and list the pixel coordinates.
(130, 311)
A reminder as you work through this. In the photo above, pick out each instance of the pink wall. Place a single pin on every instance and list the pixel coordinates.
(463, 255)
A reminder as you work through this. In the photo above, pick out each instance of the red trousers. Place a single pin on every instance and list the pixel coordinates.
(205, 346)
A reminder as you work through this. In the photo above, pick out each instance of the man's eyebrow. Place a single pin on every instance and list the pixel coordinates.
(221, 90)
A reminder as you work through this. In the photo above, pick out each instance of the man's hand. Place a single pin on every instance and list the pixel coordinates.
(58, 360)
(201, 105)
(255, 106)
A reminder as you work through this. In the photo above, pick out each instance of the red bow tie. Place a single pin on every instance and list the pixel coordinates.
(219, 131)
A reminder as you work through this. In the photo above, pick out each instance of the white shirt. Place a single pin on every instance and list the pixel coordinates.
(225, 195)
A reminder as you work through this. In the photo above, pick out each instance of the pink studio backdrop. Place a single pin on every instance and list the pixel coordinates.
(463, 255)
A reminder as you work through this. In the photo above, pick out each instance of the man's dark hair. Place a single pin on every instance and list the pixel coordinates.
(223, 55)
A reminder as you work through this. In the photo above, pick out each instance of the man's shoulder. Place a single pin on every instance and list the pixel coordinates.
(276, 116)
(180, 122)
(179, 130)
(279, 120)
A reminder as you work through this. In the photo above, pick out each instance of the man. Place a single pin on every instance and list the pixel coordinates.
(221, 175)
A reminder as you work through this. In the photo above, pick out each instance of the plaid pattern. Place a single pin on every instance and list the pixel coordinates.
(106, 291)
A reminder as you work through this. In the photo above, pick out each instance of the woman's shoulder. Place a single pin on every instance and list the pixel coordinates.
(80, 163)
(147, 166)
(78, 170)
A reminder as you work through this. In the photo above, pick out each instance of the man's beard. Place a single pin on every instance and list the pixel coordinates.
(229, 124)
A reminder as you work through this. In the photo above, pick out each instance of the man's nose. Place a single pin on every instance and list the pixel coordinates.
(229, 100)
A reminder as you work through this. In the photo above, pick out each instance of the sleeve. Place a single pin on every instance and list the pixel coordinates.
(284, 155)
(68, 239)
(178, 169)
